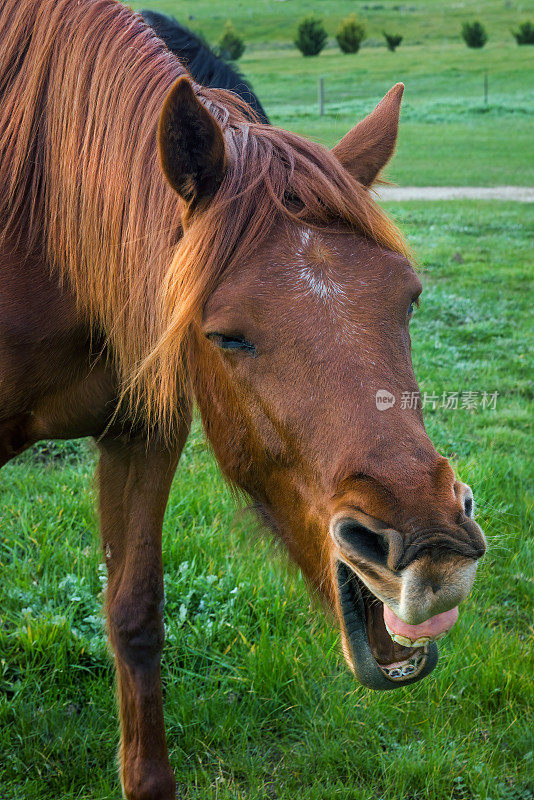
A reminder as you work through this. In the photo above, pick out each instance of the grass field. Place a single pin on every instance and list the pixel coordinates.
(448, 135)
(419, 21)
(258, 701)
(259, 704)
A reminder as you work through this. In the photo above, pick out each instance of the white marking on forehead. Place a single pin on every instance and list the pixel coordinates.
(320, 285)
(314, 280)
(317, 282)
(305, 236)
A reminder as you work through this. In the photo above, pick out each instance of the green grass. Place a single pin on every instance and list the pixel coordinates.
(448, 135)
(258, 701)
(419, 21)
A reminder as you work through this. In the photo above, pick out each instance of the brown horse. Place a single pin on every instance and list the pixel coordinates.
(247, 269)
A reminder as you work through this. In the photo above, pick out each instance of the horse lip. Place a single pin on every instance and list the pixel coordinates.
(365, 667)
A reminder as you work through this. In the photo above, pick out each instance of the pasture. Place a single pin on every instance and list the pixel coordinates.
(258, 700)
(259, 703)
(448, 136)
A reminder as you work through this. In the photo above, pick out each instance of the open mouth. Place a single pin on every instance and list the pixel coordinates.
(380, 657)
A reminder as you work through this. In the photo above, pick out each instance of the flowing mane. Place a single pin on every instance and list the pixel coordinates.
(82, 84)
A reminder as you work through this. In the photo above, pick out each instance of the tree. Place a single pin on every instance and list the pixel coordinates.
(525, 34)
(350, 34)
(311, 36)
(231, 45)
(474, 34)
(393, 40)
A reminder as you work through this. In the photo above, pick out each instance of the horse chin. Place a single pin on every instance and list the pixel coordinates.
(377, 661)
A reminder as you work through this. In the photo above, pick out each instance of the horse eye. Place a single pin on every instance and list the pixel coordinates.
(411, 310)
(232, 343)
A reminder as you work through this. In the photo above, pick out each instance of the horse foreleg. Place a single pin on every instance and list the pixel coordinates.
(14, 438)
(134, 483)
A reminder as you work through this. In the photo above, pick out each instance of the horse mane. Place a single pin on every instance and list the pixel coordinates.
(82, 85)
(206, 67)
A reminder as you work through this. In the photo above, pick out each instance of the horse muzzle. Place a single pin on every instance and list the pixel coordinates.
(391, 617)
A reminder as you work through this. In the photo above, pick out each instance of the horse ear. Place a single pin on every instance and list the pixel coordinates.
(191, 145)
(367, 148)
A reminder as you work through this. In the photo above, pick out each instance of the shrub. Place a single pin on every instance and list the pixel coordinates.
(393, 40)
(525, 34)
(231, 45)
(474, 34)
(311, 36)
(351, 34)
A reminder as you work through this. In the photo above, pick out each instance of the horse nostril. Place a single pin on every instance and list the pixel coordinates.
(360, 541)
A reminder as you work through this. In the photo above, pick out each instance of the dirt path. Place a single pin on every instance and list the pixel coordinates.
(522, 194)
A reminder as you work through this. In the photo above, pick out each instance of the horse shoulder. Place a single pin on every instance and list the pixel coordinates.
(50, 385)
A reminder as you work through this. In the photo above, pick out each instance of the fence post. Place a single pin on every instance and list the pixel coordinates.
(486, 88)
(320, 96)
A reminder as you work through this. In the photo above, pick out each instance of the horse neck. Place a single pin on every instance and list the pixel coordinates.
(78, 152)
(78, 139)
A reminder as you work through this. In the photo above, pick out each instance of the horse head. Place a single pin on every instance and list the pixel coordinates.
(299, 355)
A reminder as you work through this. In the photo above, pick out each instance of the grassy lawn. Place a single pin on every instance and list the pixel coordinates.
(258, 701)
(419, 21)
(448, 135)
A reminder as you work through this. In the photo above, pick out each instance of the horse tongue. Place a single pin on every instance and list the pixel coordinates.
(432, 627)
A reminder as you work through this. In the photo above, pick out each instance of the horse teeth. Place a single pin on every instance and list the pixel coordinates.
(409, 667)
(421, 641)
(402, 640)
